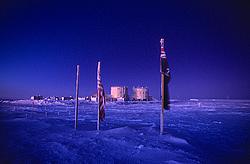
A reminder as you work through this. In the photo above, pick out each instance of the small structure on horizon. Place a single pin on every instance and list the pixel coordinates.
(39, 97)
(119, 93)
(93, 97)
(55, 98)
(67, 98)
(141, 94)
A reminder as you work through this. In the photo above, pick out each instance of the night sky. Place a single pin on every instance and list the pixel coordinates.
(207, 45)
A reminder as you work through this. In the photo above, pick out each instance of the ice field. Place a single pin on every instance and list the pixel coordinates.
(196, 131)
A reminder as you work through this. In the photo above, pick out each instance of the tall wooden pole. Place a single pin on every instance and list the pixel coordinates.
(77, 91)
(162, 104)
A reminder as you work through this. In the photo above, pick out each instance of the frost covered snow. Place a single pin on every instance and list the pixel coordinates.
(196, 131)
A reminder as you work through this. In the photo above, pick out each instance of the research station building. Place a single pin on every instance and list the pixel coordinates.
(140, 94)
(119, 93)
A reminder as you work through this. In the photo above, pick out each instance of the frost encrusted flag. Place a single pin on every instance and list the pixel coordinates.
(100, 94)
(164, 69)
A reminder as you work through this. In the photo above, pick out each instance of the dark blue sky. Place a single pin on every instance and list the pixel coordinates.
(208, 46)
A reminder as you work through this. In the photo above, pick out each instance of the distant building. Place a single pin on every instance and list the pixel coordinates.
(87, 98)
(108, 97)
(67, 98)
(119, 93)
(37, 97)
(52, 98)
(82, 98)
(93, 97)
(140, 93)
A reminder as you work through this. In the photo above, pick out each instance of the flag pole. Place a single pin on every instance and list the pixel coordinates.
(162, 104)
(77, 91)
(98, 115)
(165, 77)
(98, 98)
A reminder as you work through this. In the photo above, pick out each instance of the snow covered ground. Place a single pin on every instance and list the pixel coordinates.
(196, 131)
